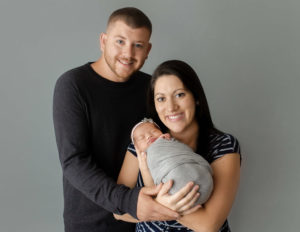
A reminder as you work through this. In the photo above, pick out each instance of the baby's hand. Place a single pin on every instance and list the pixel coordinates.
(165, 136)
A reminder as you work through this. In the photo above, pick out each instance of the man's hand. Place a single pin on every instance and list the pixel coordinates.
(182, 201)
(150, 210)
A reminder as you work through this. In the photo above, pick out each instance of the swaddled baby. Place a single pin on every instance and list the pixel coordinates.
(169, 159)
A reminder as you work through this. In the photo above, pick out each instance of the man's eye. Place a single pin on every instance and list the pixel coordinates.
(138, 45)
(119, 41)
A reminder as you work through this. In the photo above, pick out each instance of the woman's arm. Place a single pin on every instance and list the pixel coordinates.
(129, 171)
(213, 214)
(128, 176)
(182, 201)
(142, 161)
(126, 217)
(226, 177)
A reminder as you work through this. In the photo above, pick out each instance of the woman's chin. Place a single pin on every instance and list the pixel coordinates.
(176, 129)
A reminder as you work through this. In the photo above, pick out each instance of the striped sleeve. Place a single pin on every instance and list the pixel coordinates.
(131, 148)
(221, 145)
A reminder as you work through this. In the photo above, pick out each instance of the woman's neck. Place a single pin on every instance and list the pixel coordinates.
(189, 136)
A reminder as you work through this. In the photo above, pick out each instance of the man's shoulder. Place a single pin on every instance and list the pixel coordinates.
(74, 77)
(75, 73)
(141, 79)
(142, 75)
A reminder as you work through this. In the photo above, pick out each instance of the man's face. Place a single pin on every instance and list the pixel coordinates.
(144, 135)
(124, 50)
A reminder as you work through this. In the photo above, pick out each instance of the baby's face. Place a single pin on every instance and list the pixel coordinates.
(144, 135)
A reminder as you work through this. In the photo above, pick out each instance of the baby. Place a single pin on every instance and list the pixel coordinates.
(169, 159)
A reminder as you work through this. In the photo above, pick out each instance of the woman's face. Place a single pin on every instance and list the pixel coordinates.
(175, 105)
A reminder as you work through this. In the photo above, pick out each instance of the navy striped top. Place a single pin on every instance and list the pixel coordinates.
(219, 145)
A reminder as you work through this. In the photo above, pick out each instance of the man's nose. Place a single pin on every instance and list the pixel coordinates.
(128, 51)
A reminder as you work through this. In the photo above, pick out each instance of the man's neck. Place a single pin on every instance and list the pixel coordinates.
(102, 69)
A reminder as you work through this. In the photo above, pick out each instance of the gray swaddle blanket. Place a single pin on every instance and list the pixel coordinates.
(173, 160)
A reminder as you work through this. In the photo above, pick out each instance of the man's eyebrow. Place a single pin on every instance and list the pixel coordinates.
(122, 37)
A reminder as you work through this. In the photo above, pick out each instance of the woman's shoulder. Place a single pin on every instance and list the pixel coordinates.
(131, 148)
(220, 144)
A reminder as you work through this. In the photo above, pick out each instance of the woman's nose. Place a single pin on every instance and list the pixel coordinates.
(172, 106)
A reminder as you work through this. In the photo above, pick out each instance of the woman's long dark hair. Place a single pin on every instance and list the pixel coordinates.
(191, 81)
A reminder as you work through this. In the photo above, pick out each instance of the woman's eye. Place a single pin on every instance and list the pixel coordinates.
(180, 95)
(160, 99)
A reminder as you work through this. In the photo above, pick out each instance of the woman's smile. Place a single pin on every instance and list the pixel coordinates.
(174, 104)
(175, 117)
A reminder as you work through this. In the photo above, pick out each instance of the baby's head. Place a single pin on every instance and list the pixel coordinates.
(144, 134)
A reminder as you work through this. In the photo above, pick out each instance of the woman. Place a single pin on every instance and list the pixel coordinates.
(177, 100)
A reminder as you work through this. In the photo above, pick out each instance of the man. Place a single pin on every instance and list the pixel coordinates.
(94, 109)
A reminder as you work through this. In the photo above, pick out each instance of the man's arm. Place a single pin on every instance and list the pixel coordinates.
(72, 136)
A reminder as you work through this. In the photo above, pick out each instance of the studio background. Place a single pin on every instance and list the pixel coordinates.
(246, 53)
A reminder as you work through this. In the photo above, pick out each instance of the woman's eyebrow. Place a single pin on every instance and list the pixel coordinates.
(180, 89)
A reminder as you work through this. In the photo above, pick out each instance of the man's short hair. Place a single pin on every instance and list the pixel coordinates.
(132, 16)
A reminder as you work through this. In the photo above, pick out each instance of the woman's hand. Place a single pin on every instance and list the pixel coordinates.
(182, 201)
(143, 166)
(142, 160)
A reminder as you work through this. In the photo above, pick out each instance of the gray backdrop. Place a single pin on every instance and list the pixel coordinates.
(246, 52)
